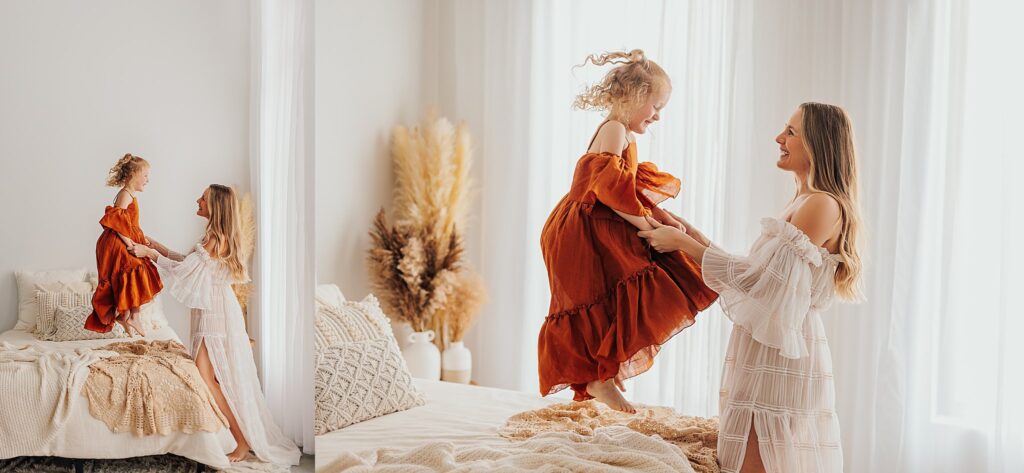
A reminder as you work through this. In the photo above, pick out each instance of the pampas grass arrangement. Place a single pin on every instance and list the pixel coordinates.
(416, 261)
(247, 235)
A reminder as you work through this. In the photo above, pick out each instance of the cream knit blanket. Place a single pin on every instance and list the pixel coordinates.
(608, 449)
(39, 388)
(697, 437)
(151, 387)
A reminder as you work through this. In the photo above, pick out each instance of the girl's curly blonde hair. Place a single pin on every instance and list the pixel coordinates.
(125, 169)
(626, 86)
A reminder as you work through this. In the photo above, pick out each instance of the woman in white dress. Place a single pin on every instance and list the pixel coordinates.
(220, 346)
(777, 411)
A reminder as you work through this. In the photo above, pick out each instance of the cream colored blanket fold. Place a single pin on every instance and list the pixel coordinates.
(697, 437)
(39, 389)
(609, 449)
(151, 387)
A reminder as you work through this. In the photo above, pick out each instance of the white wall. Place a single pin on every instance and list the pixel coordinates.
(369, 60)
(84, 83)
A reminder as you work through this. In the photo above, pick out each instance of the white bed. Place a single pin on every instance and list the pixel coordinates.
(87, 437)
(458, 413)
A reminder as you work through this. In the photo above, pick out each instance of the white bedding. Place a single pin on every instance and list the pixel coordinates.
(457, 413)
(86, 437)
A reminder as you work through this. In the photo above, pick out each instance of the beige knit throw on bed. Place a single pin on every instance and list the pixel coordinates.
(608, 450)
(697, 437)
(40, 389)
(151, 387)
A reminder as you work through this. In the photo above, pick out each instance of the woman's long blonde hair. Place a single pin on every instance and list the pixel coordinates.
(626, 86)
(828, 137)
(224, 229)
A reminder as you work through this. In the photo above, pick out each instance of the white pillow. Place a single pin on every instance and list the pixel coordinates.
(357, 381)
(51, 295)
(28, 310)
(152, 313)
(329, 294)
(69, 325)
(351, 322)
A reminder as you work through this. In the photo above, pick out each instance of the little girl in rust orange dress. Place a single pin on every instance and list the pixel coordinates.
(614, 301)
(126, 282)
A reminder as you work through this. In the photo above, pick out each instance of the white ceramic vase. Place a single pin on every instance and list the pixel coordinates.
(422, 356)
(456, 363)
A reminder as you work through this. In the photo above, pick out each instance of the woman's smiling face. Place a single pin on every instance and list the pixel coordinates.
(793, 155)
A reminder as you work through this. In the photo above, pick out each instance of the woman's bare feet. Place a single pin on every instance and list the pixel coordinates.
(606, 392)
(241, 452)
(135, 322)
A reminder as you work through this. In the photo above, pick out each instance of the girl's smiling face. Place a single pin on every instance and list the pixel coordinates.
(650, 111)
(139, 180)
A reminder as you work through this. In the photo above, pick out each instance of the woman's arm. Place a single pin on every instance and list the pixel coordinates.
(665, 239)
(690, 229)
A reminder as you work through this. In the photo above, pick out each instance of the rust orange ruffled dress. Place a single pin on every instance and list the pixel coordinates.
(125, 281)
(614, 300)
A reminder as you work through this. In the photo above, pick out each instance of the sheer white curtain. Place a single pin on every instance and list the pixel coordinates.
(949, 389)
(925, 370)
(282, 167)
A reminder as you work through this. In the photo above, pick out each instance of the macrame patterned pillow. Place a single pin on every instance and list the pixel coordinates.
(357, 381)
(69, 325)
(50, 295)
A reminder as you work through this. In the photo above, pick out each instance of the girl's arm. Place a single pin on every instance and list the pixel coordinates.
(638, 221)
(611, 138)
(122, 201)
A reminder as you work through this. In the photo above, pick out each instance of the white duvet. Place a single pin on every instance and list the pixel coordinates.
(460, 414)
(76, 434)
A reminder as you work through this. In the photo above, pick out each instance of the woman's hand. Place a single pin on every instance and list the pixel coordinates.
(690, 230)
(143, 251)
(663, 238)
(666, 238)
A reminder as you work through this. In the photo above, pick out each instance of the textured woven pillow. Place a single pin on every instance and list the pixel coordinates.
(351, 322)
(69, 325)
(50, 295)
(358, 381)
(28, 312)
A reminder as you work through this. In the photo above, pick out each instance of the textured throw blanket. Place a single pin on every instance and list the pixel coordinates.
(39, 388)
(607, 449)
(151, 387)
(697, 437)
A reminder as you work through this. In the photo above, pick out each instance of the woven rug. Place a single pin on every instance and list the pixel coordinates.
(150, 464)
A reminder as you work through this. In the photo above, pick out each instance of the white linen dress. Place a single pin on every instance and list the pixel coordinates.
(203, 284)
(778, 366)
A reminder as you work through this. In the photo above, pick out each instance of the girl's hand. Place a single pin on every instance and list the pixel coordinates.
(664, 238)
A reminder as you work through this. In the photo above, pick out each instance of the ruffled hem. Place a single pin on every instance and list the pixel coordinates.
(125, 290)
(801, 441)
(619, 334)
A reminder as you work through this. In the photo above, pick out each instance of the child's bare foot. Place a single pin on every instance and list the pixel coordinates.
(123, 322)
(135, 322)
(240, 453)
(606, 392)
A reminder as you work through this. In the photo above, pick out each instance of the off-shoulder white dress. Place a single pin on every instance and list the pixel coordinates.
(778, 367)
(204, 285)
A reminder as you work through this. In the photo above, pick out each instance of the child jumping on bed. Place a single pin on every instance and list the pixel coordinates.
(614, 301)
(126, 282)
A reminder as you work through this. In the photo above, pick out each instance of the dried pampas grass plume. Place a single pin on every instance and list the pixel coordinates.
(247, 238)
(416, 262)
